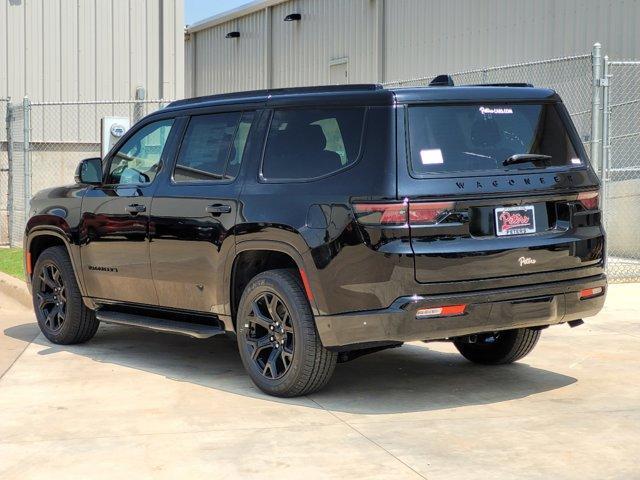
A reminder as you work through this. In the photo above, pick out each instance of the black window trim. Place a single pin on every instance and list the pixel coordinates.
(493, 172)
(262, 179)
(177, 183)
(130, 133)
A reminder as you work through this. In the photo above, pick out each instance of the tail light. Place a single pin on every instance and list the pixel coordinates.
(405, 213)
(382, 213)
(589, 200)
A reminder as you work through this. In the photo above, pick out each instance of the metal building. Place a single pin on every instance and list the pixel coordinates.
(77, 61)
(69, 50)
(338, 41)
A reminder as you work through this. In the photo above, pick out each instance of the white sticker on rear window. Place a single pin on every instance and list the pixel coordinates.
(496, 111)
(431, 156)
(576, 161)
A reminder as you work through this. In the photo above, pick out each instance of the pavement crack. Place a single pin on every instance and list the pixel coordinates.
(368, 439)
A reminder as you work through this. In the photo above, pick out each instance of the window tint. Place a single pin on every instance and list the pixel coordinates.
(461, 138)
(310, 143)
(206, 147)
(138, 160)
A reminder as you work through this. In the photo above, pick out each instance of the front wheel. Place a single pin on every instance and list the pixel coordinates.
(62, 316)
(277, 337)
(498, 347)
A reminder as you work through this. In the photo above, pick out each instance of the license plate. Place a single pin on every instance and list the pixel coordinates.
(515, 220)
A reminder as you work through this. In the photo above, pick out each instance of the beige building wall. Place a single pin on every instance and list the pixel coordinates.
(70, 50)
(386, 40)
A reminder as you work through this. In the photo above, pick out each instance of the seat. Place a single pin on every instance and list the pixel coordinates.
(299, 152)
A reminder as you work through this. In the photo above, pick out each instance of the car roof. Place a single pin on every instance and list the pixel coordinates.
(368, 94)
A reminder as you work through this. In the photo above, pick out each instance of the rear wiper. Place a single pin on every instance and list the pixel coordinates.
(526, 157)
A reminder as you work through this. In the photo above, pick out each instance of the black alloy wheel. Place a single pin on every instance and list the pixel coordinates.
(60, 310)
(278, 342)
(269, 336)
(51, 297)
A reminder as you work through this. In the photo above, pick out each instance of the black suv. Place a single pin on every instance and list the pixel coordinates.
(322, 223)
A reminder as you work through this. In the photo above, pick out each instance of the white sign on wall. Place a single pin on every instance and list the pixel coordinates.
(111, 131)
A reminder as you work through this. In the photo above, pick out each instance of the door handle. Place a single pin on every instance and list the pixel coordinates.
(218, 209)
(135, 209)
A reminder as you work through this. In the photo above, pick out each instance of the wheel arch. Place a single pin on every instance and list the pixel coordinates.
(38, 240)
(256, 256)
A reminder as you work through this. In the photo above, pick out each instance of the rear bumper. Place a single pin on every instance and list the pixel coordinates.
(487, 311)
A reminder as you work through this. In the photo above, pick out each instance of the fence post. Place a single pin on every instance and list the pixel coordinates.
(10, 192)
(26, 131)
(606, 117)
(138, 107)
(596, 66)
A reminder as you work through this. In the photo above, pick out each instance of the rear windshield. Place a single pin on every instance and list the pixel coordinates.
(467, 138)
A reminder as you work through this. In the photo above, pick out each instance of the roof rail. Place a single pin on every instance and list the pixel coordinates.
(513, 84)
(253, 94)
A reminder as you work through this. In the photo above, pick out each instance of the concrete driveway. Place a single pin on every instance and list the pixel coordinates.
(136, 404)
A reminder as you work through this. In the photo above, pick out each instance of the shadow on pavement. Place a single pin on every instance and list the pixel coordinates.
(407, 379)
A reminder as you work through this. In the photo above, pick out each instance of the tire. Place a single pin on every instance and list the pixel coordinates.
(300, 364)
(500, 347)
(62, 316)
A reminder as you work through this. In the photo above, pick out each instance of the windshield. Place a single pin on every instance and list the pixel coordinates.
(463, 138)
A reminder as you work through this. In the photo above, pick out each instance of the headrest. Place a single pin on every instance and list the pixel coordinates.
(307, 137)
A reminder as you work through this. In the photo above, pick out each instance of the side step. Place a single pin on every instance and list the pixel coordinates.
(160, 324)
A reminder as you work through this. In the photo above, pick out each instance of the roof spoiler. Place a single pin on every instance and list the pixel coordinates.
(446, 81)
(442, 81)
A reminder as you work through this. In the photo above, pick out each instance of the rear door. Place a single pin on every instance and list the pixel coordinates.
(194, 212)
(497, 190)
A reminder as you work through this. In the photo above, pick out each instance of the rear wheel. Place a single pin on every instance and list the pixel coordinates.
(498, 347)
(62, 316)
(277, 337)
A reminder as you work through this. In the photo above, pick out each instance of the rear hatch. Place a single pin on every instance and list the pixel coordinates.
(495, 190)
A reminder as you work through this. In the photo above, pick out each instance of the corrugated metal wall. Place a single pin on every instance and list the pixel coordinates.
(423, 37)
(386, 40)
(329, 30)
(68, 50)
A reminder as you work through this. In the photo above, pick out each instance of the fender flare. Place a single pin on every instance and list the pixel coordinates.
(302, 260)
(53, 231)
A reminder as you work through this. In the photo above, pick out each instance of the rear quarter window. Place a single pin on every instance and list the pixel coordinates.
(480, 137)
(304, 144)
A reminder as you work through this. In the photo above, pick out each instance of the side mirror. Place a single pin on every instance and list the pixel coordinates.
(89, 171)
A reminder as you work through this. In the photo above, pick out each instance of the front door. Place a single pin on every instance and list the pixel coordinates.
(194, 210)
(114, 228)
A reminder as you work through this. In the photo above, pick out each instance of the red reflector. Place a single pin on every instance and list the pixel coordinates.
(448, 311)
(428, 212)
(590, 292)
(305, 283)
(589, 200)
(28, 262)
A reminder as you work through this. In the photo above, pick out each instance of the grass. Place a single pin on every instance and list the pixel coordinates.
(11, 262)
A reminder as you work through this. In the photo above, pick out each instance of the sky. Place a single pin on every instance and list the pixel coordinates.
(196, 10)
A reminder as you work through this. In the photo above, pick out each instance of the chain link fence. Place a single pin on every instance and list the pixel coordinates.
(5, 183)
(621, 178)
(44, 143)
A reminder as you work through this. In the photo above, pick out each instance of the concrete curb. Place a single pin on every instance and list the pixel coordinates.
(16, 289)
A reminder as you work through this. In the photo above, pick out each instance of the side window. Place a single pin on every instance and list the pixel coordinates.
(138, 160)
(212, 147)
(311, 143)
